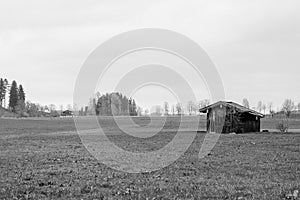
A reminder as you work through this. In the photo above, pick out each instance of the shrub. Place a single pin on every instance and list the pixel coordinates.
(283, 126)
(54, 114)
(6, 113)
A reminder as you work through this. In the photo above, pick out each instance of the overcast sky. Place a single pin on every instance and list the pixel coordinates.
(255, 44)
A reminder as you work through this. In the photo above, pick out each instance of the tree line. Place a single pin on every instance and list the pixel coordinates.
(166, 109)
(15, 94)
(111, 104)
(287, 108)
(192, 108)
(117, 104)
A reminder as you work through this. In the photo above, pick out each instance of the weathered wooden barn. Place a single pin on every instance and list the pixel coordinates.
(230, 117)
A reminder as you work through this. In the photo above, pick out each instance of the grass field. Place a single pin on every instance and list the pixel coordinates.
(45, 159)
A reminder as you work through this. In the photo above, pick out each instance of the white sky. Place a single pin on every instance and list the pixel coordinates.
(255, 44)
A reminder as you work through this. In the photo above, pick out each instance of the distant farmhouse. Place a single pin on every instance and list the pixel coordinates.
(67, 113)
(230, 117)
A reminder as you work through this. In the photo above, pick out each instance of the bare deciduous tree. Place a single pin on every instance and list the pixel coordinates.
(61, 108)
(259, 106)
(203, 103)
(287, 107)
(270, 108)
(190, 106)
(51, 107)
(179, 108)
(194, 108)
(173, 110)
(264, 107)
(69, 107)
(139, 111)
(75, 109)
(158, 110)
(246, 103)
(166, 108)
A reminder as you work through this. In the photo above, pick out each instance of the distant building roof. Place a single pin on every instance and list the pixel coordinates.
(231, 104)
(67, 113)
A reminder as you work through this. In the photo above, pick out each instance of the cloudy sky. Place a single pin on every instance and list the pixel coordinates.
(255, 45)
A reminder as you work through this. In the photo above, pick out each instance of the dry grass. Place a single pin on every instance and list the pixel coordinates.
(45, 159)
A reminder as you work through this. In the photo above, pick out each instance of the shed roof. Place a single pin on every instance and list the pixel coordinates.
(231, 104)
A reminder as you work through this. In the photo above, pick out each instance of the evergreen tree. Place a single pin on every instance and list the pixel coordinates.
(2, 91)
(7, 88)
(130, 106)
(21, 93)
(134, 108)
(13, 96)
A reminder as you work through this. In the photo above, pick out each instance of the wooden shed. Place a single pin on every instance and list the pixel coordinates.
(230, 117)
